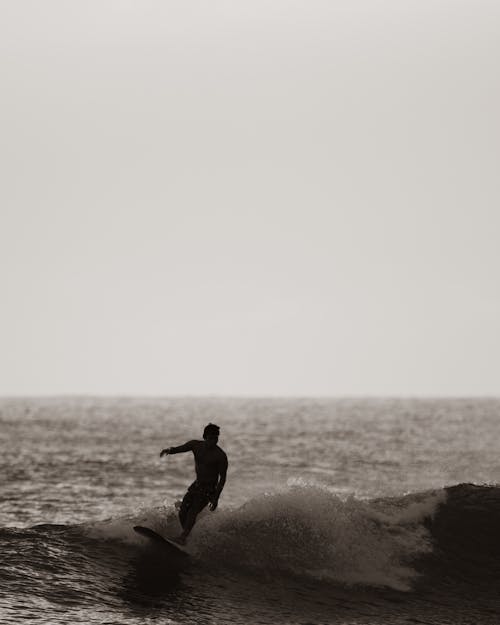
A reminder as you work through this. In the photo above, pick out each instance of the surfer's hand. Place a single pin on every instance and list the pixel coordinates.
(213, 504)
(165, 452)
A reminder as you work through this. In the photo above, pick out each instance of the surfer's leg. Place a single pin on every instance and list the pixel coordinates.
(197, 502)
(190, 520)
(186, 504)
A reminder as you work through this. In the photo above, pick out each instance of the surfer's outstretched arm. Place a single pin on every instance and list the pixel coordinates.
(177, 450)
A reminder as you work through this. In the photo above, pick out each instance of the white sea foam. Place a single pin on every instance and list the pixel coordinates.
(306, 529)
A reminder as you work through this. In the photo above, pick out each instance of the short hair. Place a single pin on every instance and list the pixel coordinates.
(211, 430)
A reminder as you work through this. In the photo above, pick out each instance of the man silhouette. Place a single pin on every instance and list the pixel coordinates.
(211, 468)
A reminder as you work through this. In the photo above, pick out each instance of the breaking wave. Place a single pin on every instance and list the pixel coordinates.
(434, 538)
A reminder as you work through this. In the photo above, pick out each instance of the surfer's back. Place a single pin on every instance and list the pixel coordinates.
(210, 462)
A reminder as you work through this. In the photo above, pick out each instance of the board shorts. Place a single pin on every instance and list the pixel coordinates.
(196, 498)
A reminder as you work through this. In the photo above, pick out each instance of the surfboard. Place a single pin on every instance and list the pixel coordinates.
(166, 543)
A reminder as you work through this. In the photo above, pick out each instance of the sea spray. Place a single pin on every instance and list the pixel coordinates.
(308, 530)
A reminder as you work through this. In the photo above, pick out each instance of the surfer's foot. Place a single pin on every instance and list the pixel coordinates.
(180, 540)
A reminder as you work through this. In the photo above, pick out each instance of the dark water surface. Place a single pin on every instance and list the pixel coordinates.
(335, 511)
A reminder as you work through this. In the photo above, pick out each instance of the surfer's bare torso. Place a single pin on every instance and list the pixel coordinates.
(210, 461)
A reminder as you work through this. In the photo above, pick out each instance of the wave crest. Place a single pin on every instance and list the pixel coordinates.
(308, 530)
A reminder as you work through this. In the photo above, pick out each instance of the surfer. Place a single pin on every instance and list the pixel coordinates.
(211, 468)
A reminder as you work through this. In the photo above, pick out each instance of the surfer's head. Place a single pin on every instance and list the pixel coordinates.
(211, 434)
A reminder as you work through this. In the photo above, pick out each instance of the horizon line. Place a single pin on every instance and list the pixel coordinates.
(217, 396)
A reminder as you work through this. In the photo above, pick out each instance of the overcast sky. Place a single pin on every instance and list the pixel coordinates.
(250, 198)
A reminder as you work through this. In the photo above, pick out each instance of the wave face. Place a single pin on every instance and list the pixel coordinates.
(466, 537)
(430, 555)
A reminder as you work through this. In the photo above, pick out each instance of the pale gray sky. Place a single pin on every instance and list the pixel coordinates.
(258, 198)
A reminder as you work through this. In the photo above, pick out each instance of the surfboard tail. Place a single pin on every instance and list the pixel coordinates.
(166, 543)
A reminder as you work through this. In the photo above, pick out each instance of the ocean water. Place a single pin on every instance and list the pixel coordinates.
(356, 512)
